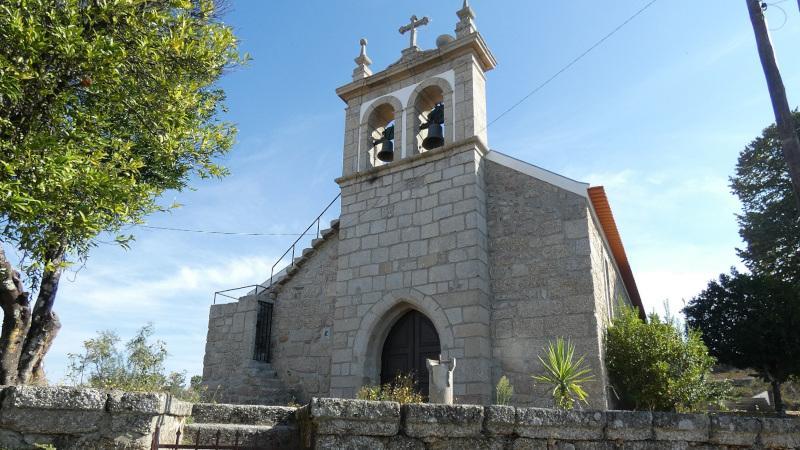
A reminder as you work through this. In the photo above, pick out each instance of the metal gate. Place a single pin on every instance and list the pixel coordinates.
(215, 445)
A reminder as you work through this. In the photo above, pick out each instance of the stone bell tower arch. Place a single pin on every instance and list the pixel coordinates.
(414, 227)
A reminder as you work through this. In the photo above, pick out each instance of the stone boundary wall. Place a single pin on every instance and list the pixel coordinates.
(357, 424)
(71, 418)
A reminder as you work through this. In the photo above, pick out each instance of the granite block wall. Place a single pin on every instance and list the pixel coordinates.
(540, 255)
(86, 419)
(302, 322)
(335, 424)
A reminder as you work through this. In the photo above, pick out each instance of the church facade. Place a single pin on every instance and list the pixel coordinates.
(444, 248)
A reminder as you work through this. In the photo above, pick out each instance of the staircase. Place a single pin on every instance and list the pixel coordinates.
(267, 427)
(255, 383)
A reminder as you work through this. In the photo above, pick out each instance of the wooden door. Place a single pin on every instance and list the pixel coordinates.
(410, 341)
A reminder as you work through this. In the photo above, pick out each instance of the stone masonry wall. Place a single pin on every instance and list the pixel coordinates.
(302, 321)
(229, 371)
(414, 237)
(335, 424)
(541, 271)
(86, 419)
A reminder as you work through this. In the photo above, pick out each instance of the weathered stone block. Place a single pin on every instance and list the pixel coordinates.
(629, 425)
(339, 442)
(499, 419)
(559, 424)
(137, 402)
(680, 427)
(51, 421)
(780, 433)
(58, 397)
(358, 417)
(429, 420)
(734, 430)
(529, 444)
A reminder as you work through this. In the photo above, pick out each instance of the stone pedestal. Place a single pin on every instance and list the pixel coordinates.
(440, 374)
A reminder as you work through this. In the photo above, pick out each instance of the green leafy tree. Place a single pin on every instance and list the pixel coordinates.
(565, 374)
(653, 365)
(104, 106)
(136, 366)
(751, 322)
(504, 391)
(770, 222)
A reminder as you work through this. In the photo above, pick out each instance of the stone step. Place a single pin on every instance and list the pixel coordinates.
(272, 437)
(243, 414)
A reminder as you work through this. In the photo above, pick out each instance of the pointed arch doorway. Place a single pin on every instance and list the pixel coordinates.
(411, 341)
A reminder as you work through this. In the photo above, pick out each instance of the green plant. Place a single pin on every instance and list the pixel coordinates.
(751, 322)
(403, 389)
(504, 391)
(655, 366)
(564, 374)
(104, 107)
(138, 366)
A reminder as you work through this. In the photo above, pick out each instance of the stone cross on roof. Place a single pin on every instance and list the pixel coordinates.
(412, 27)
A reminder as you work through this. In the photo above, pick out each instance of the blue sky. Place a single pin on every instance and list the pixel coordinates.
(657, 115)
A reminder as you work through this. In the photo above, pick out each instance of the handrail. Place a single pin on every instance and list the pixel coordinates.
(249, 286)
(294, 244)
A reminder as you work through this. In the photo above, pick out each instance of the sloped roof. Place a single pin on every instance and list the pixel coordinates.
(597, 195)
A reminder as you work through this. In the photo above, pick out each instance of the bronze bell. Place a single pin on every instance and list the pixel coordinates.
(435, 137)
(386, 151)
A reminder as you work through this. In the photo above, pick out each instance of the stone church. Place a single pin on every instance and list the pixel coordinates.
(444, 248)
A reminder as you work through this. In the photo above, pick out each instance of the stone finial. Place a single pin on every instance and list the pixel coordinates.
(466, 24)
(362, 69)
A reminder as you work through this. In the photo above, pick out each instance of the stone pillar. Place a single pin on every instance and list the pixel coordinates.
(440, 376)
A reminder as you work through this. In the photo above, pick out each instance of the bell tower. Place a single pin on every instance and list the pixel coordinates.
(413, 232)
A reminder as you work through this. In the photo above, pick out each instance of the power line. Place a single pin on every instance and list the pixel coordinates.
(572, 63)
(511, 108)
(227, 233)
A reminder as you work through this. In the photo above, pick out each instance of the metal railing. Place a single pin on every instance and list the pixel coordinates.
(294, 244)
(254, 288)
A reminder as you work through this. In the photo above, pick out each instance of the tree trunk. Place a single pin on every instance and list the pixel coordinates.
(44, 325)
(777, 93)
(780, 408)
(16, 320)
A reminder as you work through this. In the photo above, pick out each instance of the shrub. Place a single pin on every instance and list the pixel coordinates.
(565, 374)
(403, 389)
(654, 365)
(504, 391)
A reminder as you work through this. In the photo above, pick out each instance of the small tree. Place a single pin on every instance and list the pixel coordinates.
(654, 366)
(504, 391)
(751, 322)
(104, 106)
(564, 374)
(139, 366)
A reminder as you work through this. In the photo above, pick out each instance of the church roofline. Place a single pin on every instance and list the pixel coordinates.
(428, 58)
(602, 210)
(568, 184)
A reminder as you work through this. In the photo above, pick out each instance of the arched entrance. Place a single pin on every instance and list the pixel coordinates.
(412, 339)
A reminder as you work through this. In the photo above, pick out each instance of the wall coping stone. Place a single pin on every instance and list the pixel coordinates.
(57, 397)
(680, 427)
(499, 419)
(629, 425)
(560, 424)
(360, 417)
(436, 420)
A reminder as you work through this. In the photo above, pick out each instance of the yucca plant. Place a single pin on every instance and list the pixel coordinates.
(565, 374)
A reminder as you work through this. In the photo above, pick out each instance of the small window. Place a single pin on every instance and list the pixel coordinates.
(263, 326)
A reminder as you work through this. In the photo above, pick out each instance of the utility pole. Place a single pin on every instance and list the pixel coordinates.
(777, 92)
